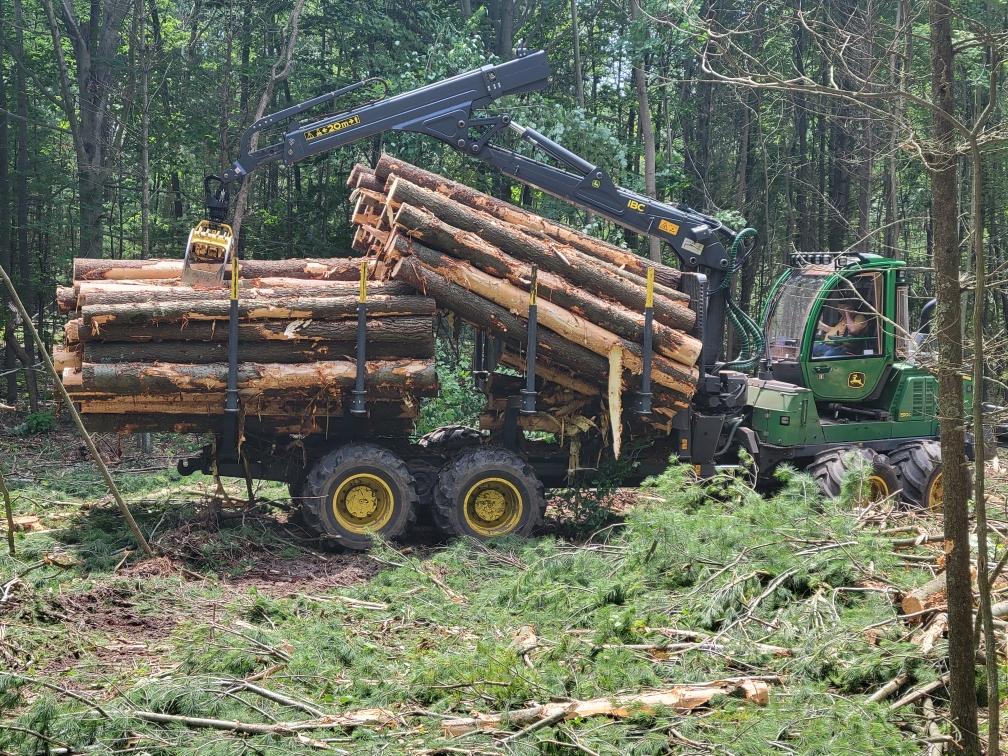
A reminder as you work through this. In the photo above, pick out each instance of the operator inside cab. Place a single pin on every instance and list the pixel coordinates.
(848, 323)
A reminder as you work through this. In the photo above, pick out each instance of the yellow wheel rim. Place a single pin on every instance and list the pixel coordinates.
(935, 493)
(878, 489)
(493, 506)
(363, 502)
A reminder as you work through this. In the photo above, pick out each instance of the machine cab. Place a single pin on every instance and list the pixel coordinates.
(835, 324)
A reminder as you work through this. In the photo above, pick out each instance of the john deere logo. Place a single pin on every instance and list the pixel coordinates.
(855, 380)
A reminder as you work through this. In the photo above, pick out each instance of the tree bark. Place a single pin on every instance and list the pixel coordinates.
(141, 378)
(624, 322)
(646, 132)
(326, 269)
(9, 360)
(25, 283)
(948, 329)
(389, 167)
(283, 308)
(679, 375)
(576, 42)
(380, 330)
(416, 346)
(69, 299)
(564, 261)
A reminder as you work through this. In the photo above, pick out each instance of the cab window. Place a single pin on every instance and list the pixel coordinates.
(849, 324)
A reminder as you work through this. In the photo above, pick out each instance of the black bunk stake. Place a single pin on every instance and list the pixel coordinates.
(644, 395)
(358, 405)
(528, 394)
(231, 404)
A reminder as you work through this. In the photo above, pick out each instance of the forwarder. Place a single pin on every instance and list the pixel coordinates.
(826, 371)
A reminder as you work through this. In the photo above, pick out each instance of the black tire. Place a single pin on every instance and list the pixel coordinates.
(361, 475)
(450, 438)
(919, 465)
(829, 468)
(498, 478)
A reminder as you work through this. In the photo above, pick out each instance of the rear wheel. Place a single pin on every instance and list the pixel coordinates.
(920, 469)
(829, 468)
(489, 492)
(357, 490)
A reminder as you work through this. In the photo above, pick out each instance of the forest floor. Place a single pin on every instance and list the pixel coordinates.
(243, 617)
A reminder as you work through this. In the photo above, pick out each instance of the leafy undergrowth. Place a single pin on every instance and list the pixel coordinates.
(703, 582)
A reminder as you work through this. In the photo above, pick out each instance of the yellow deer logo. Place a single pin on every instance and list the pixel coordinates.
(856, 380)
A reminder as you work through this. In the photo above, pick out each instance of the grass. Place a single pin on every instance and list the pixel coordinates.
(427, 632)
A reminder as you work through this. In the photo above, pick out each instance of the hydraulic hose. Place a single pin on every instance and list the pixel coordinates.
(748, 329)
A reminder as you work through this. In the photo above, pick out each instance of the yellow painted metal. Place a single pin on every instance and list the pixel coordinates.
(534, 286)
(363, 280)
(935, 494)
(363, 502)
(234, 278)
(649, 297)
(493, 507)
(878, 489)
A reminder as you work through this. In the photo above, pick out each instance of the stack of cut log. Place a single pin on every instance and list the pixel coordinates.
(474, 255)
(142, 344)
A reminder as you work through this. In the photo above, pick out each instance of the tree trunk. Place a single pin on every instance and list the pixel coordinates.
(647, 133)
(389, 166)
(6, 258)
(948, 329)
(567, 262)
(407, 346)
(283, 308)
(140, 378)
(333, 269)
(675, 373)
(70, 299)
(576, 42)
(25, 283)
(380, 330)
(624, 322)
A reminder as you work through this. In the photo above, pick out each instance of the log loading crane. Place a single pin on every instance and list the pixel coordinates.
(830, 355)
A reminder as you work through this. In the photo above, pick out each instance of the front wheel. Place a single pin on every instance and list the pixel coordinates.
(489, 492)
(356, 491)
(919, 464)
(829, 468)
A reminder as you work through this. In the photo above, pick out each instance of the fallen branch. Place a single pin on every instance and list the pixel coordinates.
(920, 692)
(361, 718)
(681, 698)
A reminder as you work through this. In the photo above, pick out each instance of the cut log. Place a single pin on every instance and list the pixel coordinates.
(66, 299)
(679, 376)
(65, 358)
(334, 269)
(96, 316)
(681, 698)
(380, 329)
(203, 352)
(485, 314)
(922, 597)
(620, 320)
(505, 211)
(573, 265)
(140, 378)
(109, 293)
